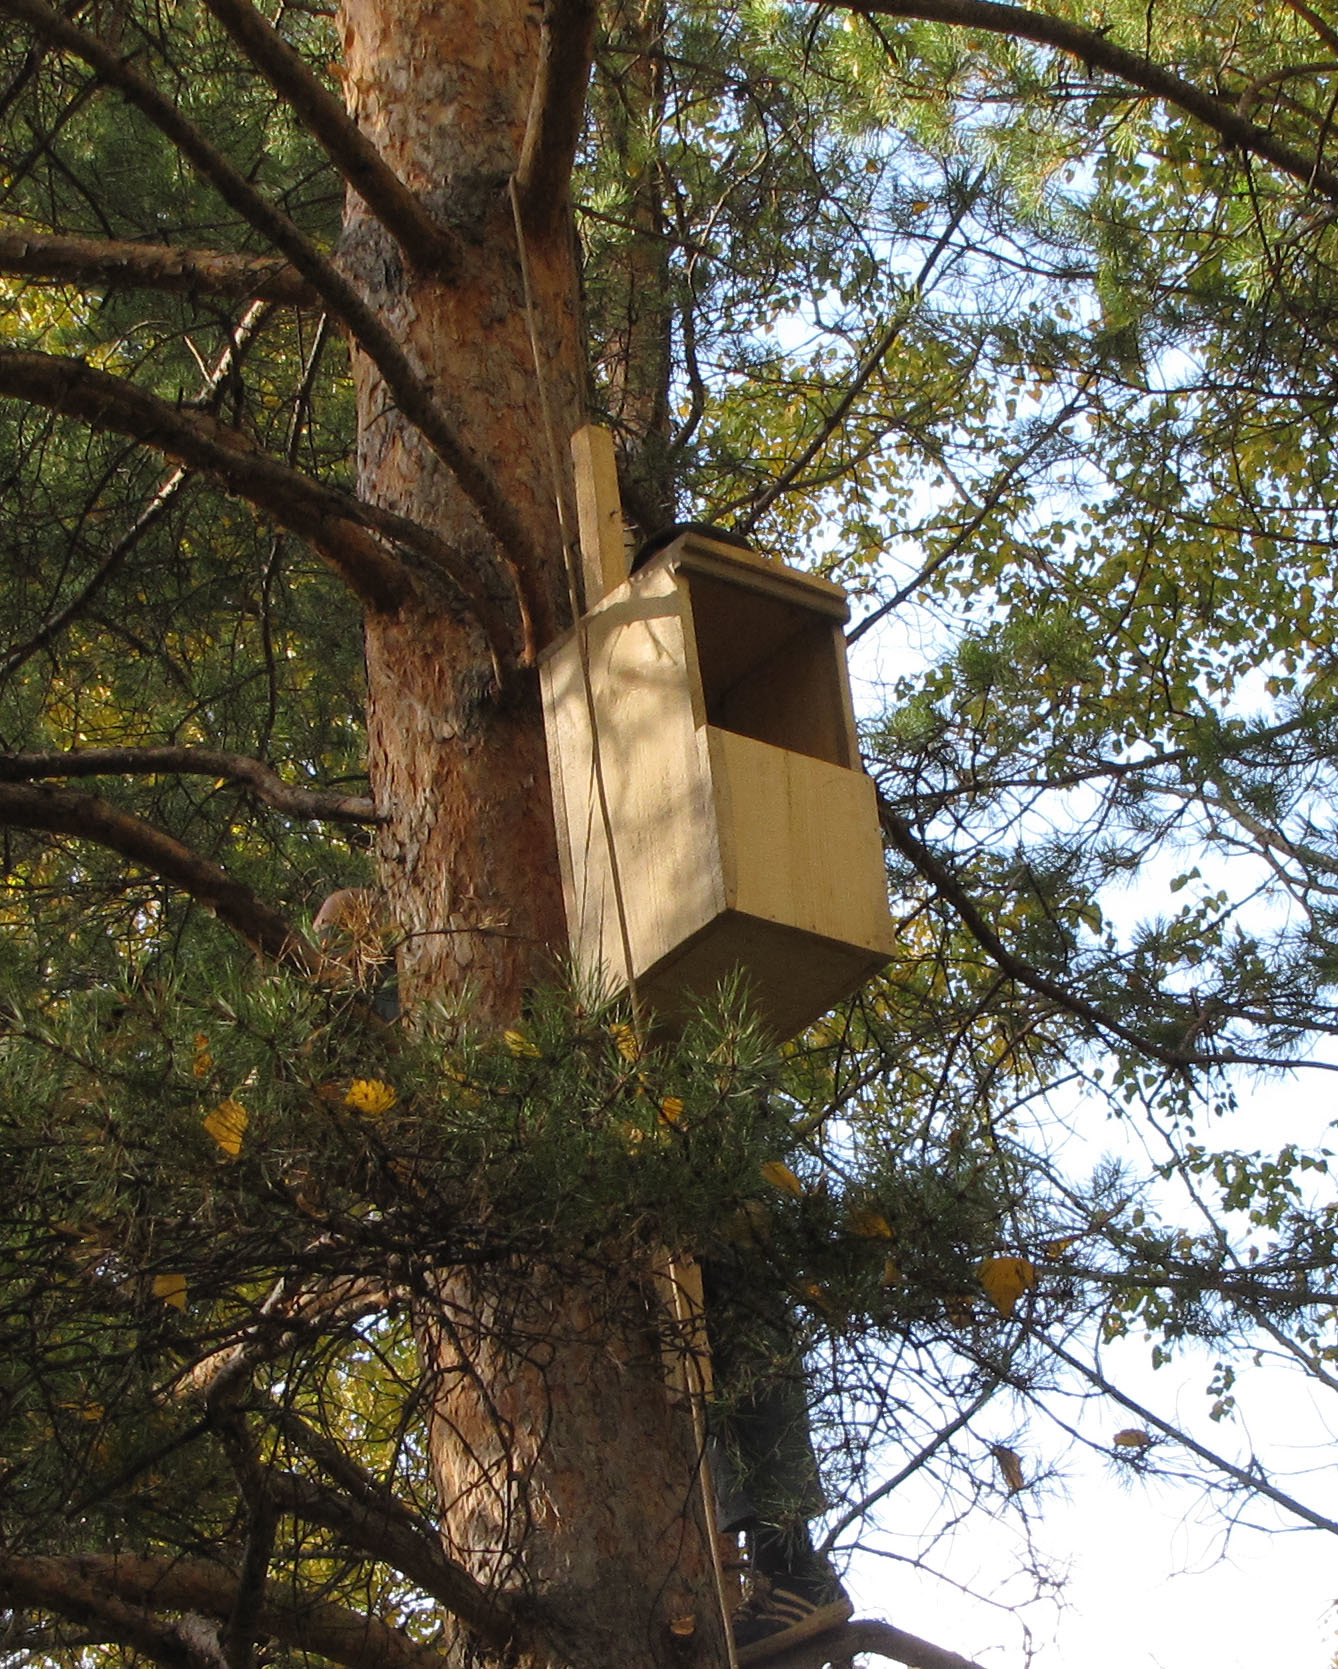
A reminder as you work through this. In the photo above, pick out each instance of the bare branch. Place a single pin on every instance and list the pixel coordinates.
(872, 361)
(261, 779)
(405, 385)
(881, 1639)
(55, 623)
(154, 266)
(1094, 49)
(1250, 1477)
(990, 502)
(87, 1585)
(426, 244)
(87, 817)
(557, 105)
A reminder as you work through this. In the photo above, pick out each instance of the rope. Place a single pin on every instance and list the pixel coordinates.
(682, 1309)
(582, 629)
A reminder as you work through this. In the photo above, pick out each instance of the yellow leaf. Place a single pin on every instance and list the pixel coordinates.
(1057, 1248)
(782, 1177)
(1010, 1464)
(1005, 1280)
(635, 1138)
(519, 1044)
(959, 1310)
(202, 1064)
(629, 1045)
(869, 1224)
(370, 1097)
(816, 1295)
(1132, 1438)
(671, 1109)
(891, 1275)
(171, 1289)
(227, 1125)
(83, 1410)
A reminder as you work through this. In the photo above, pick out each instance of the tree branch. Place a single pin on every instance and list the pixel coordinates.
(426, 244)
(855, 1638)
(1250, 1477)
(405, 385)
(557, 105)
(154, 266)
(84, 1586)
(87, 817)
(951, 890)
(108, 1620)
(263, 781)
(376, 1531)
(336, 523)
(868, 366)
(1095, 50)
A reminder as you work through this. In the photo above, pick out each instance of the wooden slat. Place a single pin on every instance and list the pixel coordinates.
(599, 511)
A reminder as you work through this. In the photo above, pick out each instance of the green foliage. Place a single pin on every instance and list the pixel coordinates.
(1020, 355)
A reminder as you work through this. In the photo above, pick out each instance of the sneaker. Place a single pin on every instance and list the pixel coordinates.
(787, 1611)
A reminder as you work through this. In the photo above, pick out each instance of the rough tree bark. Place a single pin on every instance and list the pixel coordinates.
(561, 1470)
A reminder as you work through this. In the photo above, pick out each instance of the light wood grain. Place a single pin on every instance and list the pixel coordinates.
(745, 838)
(599, 512)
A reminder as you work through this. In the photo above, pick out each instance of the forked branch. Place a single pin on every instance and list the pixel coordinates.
(353, 154)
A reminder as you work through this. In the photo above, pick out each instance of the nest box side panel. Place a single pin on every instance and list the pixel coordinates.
(655, 769)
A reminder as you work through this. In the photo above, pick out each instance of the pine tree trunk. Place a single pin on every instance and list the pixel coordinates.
(561, 1469)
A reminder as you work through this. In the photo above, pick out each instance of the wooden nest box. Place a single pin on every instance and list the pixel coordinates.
(744, 833)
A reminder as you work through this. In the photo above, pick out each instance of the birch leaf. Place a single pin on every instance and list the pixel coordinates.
(227, 1125)
(171, 1289)
(1005, 1280)
(782, 1177)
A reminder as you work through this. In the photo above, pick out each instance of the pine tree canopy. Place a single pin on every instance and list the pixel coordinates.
(327, 1251)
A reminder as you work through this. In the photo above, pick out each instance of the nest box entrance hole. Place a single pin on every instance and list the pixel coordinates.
(770, 668)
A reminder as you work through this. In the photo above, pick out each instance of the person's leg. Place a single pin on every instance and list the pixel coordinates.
(763, 1466)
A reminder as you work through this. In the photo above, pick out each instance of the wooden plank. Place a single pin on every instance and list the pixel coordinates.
(800, 842)
(695, 553)
(685, 1354)
(655, 766)
(599, 512)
